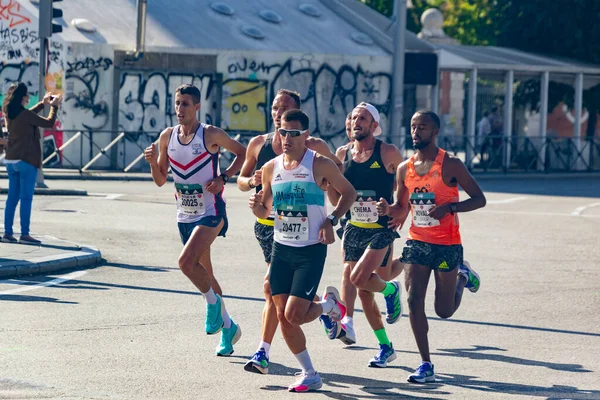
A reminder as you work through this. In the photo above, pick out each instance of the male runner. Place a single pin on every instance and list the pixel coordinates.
(294, 185)
(431, 178)
(370, 166)
(191, 149)
(262, 149)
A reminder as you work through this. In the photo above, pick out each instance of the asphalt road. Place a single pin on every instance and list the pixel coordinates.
(133, 328)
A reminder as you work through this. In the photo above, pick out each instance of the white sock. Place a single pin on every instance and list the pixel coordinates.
(427, 362)
(304, 360)
(327, 305)
(210, 296)
(348, 321)
(265, 346)
(225, 315)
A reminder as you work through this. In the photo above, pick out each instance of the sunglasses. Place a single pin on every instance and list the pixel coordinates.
(291, 132)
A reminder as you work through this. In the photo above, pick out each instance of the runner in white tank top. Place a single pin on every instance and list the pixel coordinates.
(191, 149)
(294, 185)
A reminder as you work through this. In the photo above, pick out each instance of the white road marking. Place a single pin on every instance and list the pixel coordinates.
(107, 196)
(577, 212)
(57, 281)
(506, 201)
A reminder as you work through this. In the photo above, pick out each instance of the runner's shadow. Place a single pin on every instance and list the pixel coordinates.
(482, 353)
(373, 388)
(554, 391)
(136, 267)
(24, 298)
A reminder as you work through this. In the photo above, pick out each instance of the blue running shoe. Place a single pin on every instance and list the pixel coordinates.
(214, 319)
(386, 354)
(473, 280)
(259, 363)
(393, 305)
(229, 337)
(423, 374)
(332, 328)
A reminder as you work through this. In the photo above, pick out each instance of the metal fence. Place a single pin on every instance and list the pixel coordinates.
(123, 151)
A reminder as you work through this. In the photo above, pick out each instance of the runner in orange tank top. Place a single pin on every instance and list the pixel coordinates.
(430, 180)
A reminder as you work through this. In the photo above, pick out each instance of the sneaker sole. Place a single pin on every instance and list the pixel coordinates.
(257, 369)
(236, 337)
(428, 379)
(340, 303)
(473, 289)
(384, 365)
(305, 389)
(393, 321)
(348, 341)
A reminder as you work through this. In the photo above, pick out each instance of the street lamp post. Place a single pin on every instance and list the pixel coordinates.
(396, 126)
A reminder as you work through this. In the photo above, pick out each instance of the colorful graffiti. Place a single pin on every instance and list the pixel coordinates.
(11, 12)
(146, 101)
(83, 77)
(327, 93)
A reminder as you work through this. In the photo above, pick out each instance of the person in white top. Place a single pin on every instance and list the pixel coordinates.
(294, 185)
(191, 150)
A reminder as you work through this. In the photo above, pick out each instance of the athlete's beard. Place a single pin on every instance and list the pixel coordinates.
(359, 137)
(422, 144)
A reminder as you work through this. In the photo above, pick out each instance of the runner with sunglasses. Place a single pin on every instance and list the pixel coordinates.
(295, 185)
(262, 149)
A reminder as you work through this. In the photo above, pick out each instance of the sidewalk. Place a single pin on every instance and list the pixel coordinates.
(52, 255)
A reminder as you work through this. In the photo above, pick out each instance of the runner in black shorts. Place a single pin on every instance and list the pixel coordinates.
(430, 180)
(262, 149)
(370, 165)
(294, 186)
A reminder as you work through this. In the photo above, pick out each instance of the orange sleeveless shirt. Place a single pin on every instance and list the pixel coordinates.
(426, 192)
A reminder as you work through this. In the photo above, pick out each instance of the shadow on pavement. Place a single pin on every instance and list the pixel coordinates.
(481, 353)
(374, 388)
(27, 298)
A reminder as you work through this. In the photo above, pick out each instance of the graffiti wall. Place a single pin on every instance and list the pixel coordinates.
(329, 86)
(19, 60)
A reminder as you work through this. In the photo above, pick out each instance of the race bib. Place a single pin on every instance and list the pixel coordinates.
(291, 223)
(190, 199)
(364, 208)
(421, 204)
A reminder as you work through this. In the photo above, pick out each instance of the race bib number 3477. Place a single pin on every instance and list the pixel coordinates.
(421, 204)
(291, 223)
(190, 199)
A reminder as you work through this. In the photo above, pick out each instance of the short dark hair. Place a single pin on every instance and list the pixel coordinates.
(192, 90)
(296, 115)
(434, 117)
(294, 95)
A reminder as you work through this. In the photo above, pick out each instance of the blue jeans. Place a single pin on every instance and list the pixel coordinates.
(21, 185)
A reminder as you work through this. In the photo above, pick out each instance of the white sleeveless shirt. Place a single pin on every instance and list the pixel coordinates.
(193, 166)
(298, 202)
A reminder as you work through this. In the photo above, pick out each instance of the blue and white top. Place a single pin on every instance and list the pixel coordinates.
(299, 203)
(193, 166)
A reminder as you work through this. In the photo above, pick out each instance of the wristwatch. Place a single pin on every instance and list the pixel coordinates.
(333, 219)
(250, 184)
(453, 209)
(224, 177)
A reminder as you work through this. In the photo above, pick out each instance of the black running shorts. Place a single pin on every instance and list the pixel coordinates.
(357, 240)
(264, 235)
(297, 270)
(444, 258)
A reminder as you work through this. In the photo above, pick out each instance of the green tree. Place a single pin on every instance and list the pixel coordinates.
(553, 28)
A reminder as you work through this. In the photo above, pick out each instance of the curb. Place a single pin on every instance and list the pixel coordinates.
(85, 257)
(53, 192)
